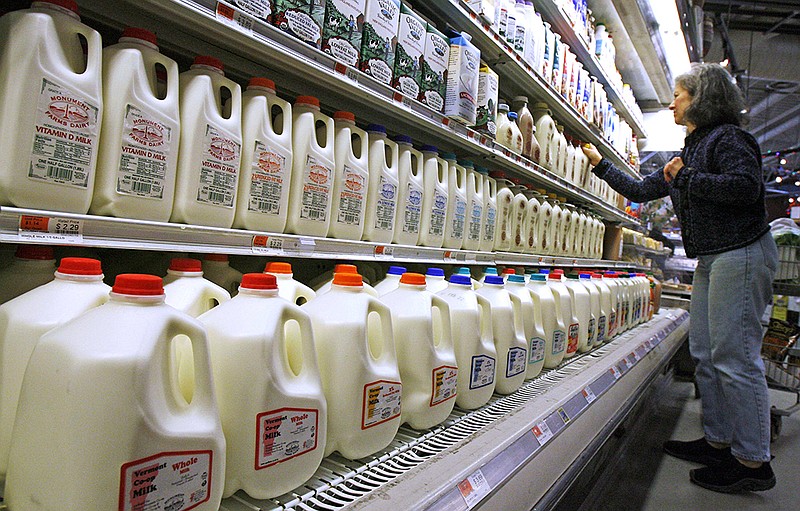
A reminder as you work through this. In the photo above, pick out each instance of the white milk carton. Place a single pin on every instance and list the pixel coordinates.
(341, 32)
(433, 69)
(488, 91)
(409, 51)
(461, 102)
(300, 18)
(350, 181)
(379, 38)
(410, 192)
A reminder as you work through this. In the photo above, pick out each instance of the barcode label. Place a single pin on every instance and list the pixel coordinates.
(542, 432)
(474, 488)
(234, 18)
(267, 245)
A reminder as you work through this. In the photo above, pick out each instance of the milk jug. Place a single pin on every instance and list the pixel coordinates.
(519, 220)
(508, 333)
(555, 224)
(606, 308)
(567, 227)
(383, 184)
(476, 356)
(490, 210)
(582, 309)
(532, 220)
(138, 153)
(263, 196)
(425, 353)
(410, 192)
(434, 279)
(475, 208)
(465, 271)
(357, 363)
(147, 446)
(561, 155)
(350, 179)
(616, 306)
(264, 366)
(505, 133)
(391, 281)
(567, 311)
(312, 169)
(552, 320)
(532, 325)
(503, 231)
(569, 165)
(325, 286)
(594, 303)
(210, 149)
(516, 135)
(78, 287)
(488, 272)
(527, 128)
(217, 269)
(455, 222)
(434, 200)
(288, 288)
(545, 135)
(32, 266)
(51, 107)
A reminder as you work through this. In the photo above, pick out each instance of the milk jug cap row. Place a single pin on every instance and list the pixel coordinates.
(259, 281)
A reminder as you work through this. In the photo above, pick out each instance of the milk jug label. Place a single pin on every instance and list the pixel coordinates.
(476, 214)
(284, 434)
(384, 216)
(438, 213)
(612, 323)
(64, 137)
(167, 481)
(316, 190)
(592, 326)
(146, 146)
(459, 217)
(268, 174)
(491, 219)
(482, 373)
(601, 329)
(413, 209)
(445, 380)
(517, 362)
(559, 337)
(351, 199)
(536, 351)
(219, 168)
(572, 342)
(381, 402)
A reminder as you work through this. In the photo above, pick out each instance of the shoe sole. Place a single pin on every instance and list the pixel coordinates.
(741, 486)
(703, 460)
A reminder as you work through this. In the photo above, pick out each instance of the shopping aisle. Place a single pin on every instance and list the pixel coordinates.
(646, 479)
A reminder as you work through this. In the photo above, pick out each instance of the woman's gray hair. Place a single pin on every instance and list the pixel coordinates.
(716, 99)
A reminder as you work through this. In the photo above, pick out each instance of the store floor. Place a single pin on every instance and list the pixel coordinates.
(646, 479)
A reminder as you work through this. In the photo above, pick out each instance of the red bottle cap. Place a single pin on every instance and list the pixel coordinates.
(140, 33)
(138, 284)
(66, 4)
(258, 281)
(306, 100)
(206, 60)
(185, 264)
(278, 267)
(80, 266)
(345, 116)
(258, 81)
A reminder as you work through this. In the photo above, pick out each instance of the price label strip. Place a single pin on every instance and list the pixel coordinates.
(474, 488)
(268, 245)
(55, 230)
(589, 395)
(349, 73)
(616, 372)
(384, 251)
(234, 18)
(542, 432)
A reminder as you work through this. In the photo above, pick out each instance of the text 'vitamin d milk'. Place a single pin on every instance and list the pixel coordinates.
(434, 200)
(383, 184)
(350, 181)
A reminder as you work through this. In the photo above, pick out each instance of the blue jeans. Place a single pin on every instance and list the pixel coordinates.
(729, 294)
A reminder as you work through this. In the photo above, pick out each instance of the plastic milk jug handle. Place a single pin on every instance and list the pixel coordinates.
(516, 305)
(443, 310)
(203, 397)
(309, 363)
(388, 350)
(486, 317)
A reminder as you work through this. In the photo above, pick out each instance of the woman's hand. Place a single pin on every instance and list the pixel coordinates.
(591, 152)
(672, 168)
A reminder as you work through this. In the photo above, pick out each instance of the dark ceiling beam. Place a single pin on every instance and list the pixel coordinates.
(767, 4)
(764, 27)
(745, 11)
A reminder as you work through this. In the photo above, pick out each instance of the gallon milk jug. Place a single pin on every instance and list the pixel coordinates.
(382, 190)
(391, 281)
(545, 135)
(263, 197)
(78, 287)
(350, 179)
(475, 211)
(616, 305)
(489, 209)
(357, 363)
(147, 447)
(410, 192)
(310, 194)
(217, 269)
(456, 220)
(566, 310)
(555, 331)
(211, 143)
(476, 356)
(288, 288)
(425, 353)
(264, 366)
(509, 334)
(503, 232)
(531, 317)
(434, 279)
(51, 107)
(582, 305)
(325, 286)
(594, 301)
(32, 266)
(434, 200)
(138, 153)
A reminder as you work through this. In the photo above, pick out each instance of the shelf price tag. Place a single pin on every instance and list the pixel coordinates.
(269, 245)
(589, 395)
(474, 488)
(635, 355)
(348, 72)
(616, 372)
(563, 414)
(627, 362)
(56, 230)
(384, 251)
(234, 18)
(542, 432)
(402, 99)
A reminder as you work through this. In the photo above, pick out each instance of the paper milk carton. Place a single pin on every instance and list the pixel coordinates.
(300, 18)
(483, 7)
(461, 102)
(258, 9)
(488, 90)
(410, 48)
(379, 39)
(341, 32)
(433, 77)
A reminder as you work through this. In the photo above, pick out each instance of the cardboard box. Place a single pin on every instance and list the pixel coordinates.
(379, 38)
(300, 18)
(341, 31)
(409, 51)
(433, 80)
(463, 67)
(612, 243)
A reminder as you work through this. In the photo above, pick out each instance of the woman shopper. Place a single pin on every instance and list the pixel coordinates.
(718, 194)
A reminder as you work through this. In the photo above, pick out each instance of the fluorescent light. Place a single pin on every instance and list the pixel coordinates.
(783, 161)
(674, 43)
(778, 179)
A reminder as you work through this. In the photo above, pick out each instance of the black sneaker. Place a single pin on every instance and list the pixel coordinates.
(698, 451)
(733, 477)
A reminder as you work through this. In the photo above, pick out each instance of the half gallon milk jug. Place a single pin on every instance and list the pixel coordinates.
(603, 325)
(503, 232)
(410, 192)
(530, 146)
(425, 354)
(263, 196)
(555, 331)
(567, 310)
(568, 225)
(264, 366)
(475, 211)
(545, 135)
(561, 152)
(382, 190)
(531, 317)
(344, 268)
(358, 366)
(509, 334)
(489, 210)
(51, 107)
(519, 220)
(350, 178)
(434, 200)
(610, 280)
(476, 356)
(545, 241)
(391, 281)
(289, 288)
(32, 266)
(138, 153)
(147, 447)
(456, 220)
(78, 287)
(554, 230)
(582, 305)
(211, 143)
(533, 219)
(217, 269)
(434, 279)
(594, 301)
(313, 163)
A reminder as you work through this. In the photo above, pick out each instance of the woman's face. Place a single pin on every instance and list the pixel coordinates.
(680, 102)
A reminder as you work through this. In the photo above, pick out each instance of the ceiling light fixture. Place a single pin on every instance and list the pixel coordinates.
(778, 179)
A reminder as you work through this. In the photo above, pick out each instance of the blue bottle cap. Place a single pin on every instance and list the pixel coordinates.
(490, 271)
(495, 280)
(544, 271)
(447, 156)
(516, 278)
(539, 277)
(377, 128)
(463, 271)
(403, 139)
(396, 270)
(435, 272)
(460, 279)
(429, 149)
(482, 170)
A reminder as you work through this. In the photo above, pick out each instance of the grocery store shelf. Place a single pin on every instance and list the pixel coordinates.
(646, 250)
